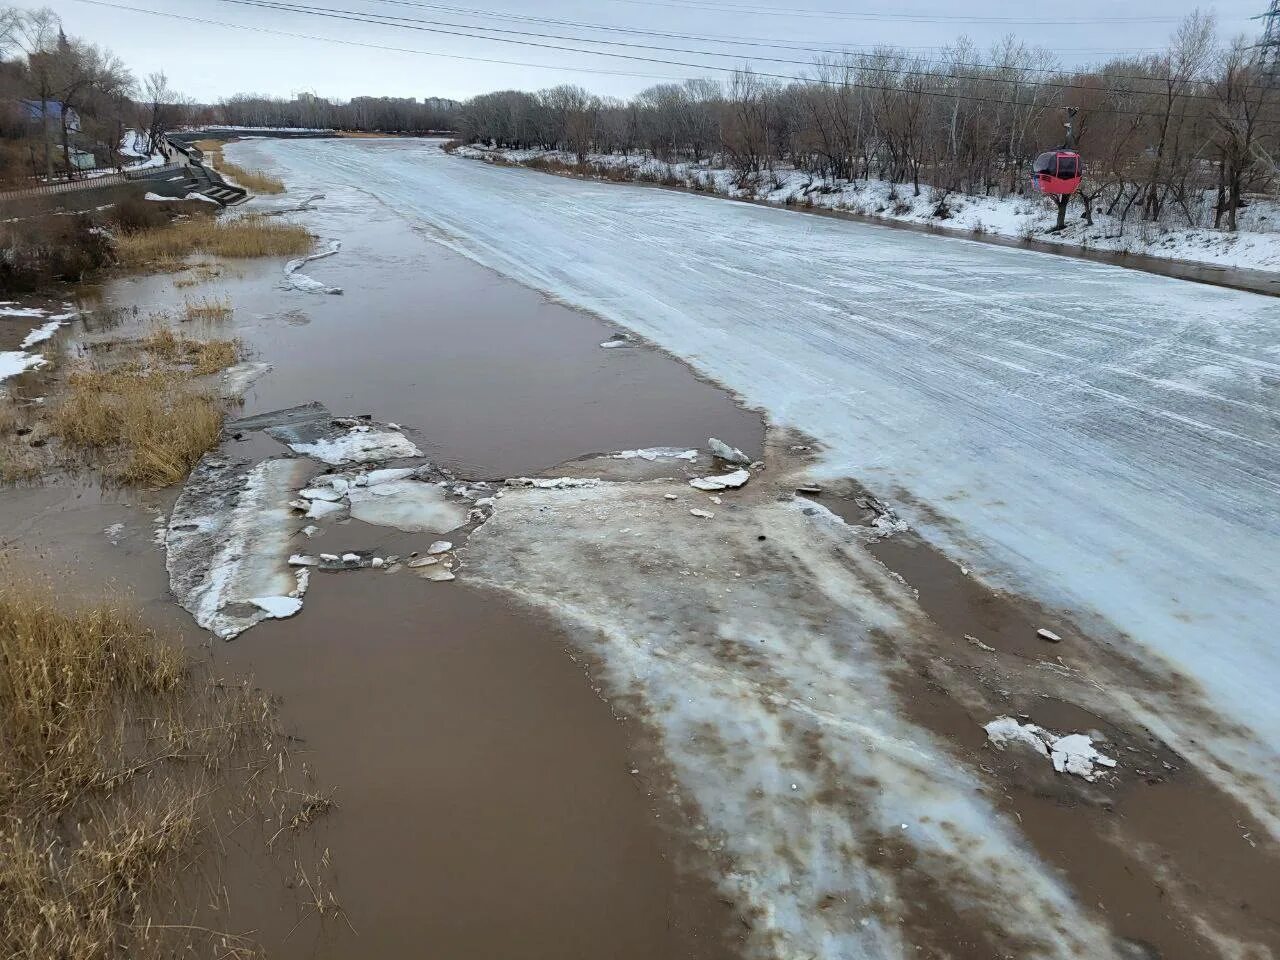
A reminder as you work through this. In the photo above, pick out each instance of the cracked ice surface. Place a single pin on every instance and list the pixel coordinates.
(409, 505)
(755, 687)
(358, 444)
(228, 540)
(1102, 439)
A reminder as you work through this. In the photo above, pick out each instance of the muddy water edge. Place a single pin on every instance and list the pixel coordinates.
(488, 802)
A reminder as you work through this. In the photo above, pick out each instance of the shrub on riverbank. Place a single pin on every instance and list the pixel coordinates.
(37, 252)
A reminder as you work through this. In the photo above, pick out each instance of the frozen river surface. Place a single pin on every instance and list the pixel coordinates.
(1104, 440)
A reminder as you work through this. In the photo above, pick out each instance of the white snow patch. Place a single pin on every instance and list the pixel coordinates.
(1073, 753)
(14, 362)
(42, 333)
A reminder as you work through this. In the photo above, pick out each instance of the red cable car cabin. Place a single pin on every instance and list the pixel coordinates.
(1057, 172)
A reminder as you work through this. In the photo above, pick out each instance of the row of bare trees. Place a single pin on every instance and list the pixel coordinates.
(381, 114)
(1186, 134)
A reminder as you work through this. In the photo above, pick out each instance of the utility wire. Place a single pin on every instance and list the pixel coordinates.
(252, 28)
(773, 43)
(426, 26)
(561, 48)
(721, 6)
(945, 68)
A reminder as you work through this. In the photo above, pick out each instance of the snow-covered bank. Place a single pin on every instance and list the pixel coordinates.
(14, 362)
(1030, 217)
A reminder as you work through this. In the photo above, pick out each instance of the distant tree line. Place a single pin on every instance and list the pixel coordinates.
(1190, 129)
(364, 114)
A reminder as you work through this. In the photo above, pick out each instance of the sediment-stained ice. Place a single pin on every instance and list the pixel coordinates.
(774, 707)
(1103, 440)
(227, 542)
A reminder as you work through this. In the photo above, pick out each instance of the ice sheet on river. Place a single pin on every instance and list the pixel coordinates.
(1104, 440)
(226, 542)
(310, 430)
(775, 708)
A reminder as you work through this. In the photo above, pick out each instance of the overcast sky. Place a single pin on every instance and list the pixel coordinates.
(208, 62)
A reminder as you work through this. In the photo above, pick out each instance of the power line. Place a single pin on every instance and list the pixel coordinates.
(800, 45)
(722, 6)
(460, 30)
(251, 28)
(561, 48)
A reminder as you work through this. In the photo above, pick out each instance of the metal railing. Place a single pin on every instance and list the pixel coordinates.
(92, 182)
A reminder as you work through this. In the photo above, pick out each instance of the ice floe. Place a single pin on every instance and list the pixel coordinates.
(300, 281)
(227, 541)
(754, 684)
(1073, 753)
(728, 481)
(655, 453)
(278, 608)
(409, 505)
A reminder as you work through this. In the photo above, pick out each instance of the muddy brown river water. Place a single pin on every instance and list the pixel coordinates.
(492, 800)
(486, 805)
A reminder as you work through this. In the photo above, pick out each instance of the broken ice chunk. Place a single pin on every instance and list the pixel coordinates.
(727, 481)
(440, 546)
(727, 453)
(704, 514)
(1073, 753)
(277, 607)
(318, 509)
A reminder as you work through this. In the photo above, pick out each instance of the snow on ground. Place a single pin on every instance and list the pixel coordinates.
(1101, 439)
(1256, 246)
(14, 362)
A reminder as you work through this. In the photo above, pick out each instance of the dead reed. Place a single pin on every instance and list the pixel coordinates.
(120, 764)
(237, 237)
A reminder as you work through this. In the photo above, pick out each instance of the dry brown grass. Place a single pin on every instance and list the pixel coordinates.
(207, 308)
(256, 181)
(239, 237)
(150, 426)
(200, 273)
(121, 766)
(201, 357)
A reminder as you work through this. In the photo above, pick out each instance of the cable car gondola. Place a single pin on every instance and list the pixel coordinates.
(1057, 172)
